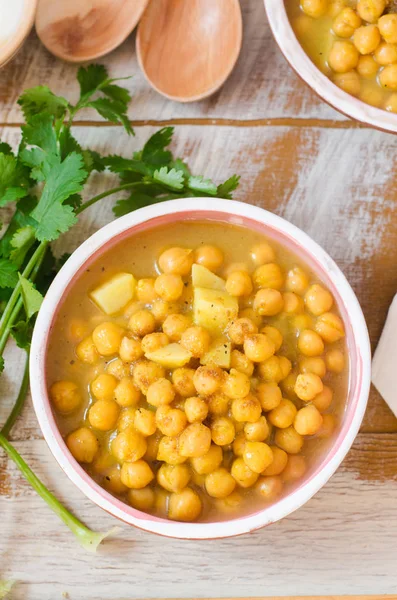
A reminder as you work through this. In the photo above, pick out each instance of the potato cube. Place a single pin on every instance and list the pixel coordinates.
(203, 277)
(115, 293)
(219, 353)
(170, 356)
(214, 309)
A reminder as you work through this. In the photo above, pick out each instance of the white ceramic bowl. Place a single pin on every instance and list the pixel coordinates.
(320, 83)
(17, 29)
(281, 231)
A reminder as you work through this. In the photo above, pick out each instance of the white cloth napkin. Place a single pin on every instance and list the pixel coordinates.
(384, 363)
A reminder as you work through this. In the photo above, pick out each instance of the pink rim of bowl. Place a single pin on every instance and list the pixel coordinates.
(281, 231)
(306, 69)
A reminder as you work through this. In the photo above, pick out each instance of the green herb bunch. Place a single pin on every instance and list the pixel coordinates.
(45, 182)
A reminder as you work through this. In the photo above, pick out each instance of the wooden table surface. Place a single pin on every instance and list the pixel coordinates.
(337, 181)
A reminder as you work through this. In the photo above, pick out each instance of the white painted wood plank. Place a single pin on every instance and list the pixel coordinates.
(341, 542)
(262, 86)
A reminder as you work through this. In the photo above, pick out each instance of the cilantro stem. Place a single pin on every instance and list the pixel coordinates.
(20, 401)
(120, 188)
(90, 540)
(6, 330)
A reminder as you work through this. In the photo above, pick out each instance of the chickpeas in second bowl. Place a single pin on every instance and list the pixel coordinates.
(198, 371)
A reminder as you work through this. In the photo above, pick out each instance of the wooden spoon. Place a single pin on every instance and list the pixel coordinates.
(188, 48)
(80, 30)
(15, 30)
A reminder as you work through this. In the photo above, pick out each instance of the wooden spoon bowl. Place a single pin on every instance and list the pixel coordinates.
(14, 38)
(81, 30)
(187, 49)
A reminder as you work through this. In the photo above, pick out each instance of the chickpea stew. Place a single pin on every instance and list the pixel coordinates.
(354, 43)
(197, 372)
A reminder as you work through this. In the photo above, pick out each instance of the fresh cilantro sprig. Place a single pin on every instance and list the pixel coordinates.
(44, 180)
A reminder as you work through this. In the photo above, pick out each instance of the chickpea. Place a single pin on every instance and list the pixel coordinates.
(335, 7)
(370, 10)
(289, 440)
(126, 393)
(269, 487)
(132, 308)
(136, 475)
(196, 340)
(184, 506)
(388, 28)
(128, 445)
(210, 257)
(65, 396)
(239, 283)
(343, 56)
(330, 327)
(86, 351)
(295, 469)
(103, 415)
(103, 462)
(230, 503)
(170, 421)
(107, 338)
(222, 431)
(348, 82)
(335, 361)
(162, 309)
(173, 478)
(258, 347)
(145, 290)
(153, 341)
(175, 325)
(142, 499)
(323, 400)
(239, 444)
(318, 300)
(240, 329)
(308, 386)
(82, 444)
(218, 404)
(292, 303)
(288, 384)
(257, 456)
(346, 22)
(246, 409)
(274, 334)
(145, 422)
(195, 440)
(283, 415)
(314, 8)
(314, 365)
(262, 253)
(242, 474)
(372, 95)
(161, 502)
(183, 382)
(219, 483)
(176, 261)
(153, 444)
(141, 323)
(269, 276)
(168, 451)
(145, 373)
(130, 349)
(196, 409)
(297, 281)
(126, 418)
(269, 395)
(241, 363)
(258, 431)
(301, 322)
(208, 380)
(386, 54)
(275, 368)
(308, 420)
(366, 39)
(160, 392)
(388, 77)
(169, 287)
(327, 427)
(252, 315)
(310, 343)
(103, 386)
(208, 462)
(367, 67)
(280, 459)
(112, 481)
(236, 384)
(391, 103)
(116, 368)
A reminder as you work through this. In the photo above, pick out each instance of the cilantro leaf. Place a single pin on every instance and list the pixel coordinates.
(116, 92)
(153, 151)
(64, 180)
(133, 202)
(5, 148)
(225, 189)
(20, 219)
(22, 333)
(8, 273)
(40, 132)
(118, 164)
(21, 242)
(32, 299)
(13, 179)
(113, 111)
(1, 370)
(90, 78)
(197, 183)
(179, 165)
(169, 177)
(40, 99)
